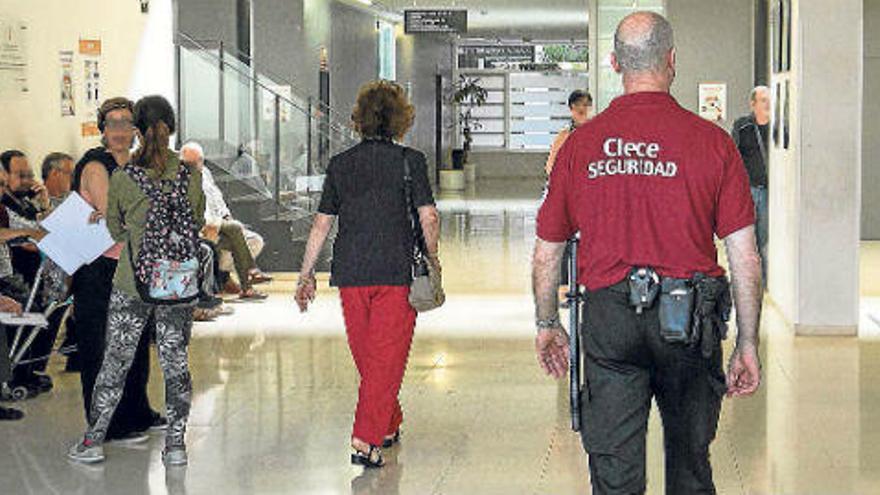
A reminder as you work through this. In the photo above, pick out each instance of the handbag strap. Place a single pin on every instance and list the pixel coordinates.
(419, 245)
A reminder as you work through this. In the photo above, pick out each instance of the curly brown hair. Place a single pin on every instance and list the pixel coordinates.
(382, 111)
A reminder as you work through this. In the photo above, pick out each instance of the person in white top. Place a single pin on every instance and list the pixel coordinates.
(230, 235)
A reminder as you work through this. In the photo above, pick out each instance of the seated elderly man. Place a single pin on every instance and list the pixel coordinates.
(57, 173)
(26, 202)
(229, 234)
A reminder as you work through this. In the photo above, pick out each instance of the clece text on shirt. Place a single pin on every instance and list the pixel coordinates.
(631, 158)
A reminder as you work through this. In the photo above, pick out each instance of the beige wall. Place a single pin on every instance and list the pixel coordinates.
(137, 59)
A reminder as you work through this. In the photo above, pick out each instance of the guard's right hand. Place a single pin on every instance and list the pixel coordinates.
(551, 346)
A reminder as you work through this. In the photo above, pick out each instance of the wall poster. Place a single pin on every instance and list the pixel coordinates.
(90, 50)
(713, 102)
(68, 105)
(13, 58)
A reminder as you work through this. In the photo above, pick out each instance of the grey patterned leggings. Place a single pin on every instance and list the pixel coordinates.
(126, 320)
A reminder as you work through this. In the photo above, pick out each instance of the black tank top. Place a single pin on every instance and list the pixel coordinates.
(100, 155)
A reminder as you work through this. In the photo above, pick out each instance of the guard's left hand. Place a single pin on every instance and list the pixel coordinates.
(551, 346)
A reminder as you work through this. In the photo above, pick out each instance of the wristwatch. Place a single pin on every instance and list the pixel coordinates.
(548, 324)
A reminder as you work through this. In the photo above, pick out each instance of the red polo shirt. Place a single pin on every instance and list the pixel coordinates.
(646, 183)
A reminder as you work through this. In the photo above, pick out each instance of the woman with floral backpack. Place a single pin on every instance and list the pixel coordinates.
(155, 207)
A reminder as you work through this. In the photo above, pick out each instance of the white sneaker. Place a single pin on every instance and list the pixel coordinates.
(86, 452)
(175, 457)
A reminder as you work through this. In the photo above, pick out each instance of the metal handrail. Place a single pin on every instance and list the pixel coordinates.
(320, 128)
(337, 124)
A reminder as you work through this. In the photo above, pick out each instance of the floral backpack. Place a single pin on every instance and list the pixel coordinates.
(166, 269)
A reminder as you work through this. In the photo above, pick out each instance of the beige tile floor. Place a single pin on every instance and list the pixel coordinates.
(274, 393)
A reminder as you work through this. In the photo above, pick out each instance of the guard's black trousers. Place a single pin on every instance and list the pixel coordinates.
(92, 284)
(626, 364)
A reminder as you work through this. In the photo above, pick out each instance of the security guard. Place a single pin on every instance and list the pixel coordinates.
(648, 185)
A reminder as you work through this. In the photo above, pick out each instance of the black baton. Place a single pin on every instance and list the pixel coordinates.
(574, 298)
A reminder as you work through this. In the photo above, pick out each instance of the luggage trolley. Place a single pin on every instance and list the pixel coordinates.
(24, 339)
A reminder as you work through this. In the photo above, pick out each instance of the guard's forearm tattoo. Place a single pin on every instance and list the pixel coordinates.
(546, 264)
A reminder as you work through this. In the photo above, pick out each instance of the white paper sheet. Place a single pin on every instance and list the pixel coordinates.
(73, 241)
(57, 249)
(26, 319)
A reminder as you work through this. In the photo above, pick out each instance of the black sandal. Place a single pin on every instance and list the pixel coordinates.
(387, 443)
(369, 460)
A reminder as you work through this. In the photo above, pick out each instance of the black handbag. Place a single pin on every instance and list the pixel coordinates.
(426, 290)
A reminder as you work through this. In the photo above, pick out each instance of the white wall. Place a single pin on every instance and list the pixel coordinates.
(815, 196)
(137, 59)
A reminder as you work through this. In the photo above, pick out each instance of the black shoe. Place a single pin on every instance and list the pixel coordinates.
(389, 442)
(370, 460)
(159, 423)
(7, 414)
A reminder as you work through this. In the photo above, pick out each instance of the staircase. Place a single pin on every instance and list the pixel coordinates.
(266, 142)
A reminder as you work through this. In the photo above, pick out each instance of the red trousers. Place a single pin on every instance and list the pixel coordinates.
(379, 322)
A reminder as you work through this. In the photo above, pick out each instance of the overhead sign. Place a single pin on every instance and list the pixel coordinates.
(435, 21)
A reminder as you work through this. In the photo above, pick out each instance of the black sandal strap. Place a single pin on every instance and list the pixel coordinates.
(389, 442)
(371, 459)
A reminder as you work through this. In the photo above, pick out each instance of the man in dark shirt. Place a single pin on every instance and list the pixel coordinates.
(751, 133)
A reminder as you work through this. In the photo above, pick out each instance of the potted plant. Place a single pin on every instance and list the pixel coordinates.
(467, 95)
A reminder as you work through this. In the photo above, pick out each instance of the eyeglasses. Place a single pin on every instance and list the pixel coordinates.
(119, 125)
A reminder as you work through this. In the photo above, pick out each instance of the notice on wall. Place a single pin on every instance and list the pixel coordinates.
(90, 50)
(13, 58)
(713, 101)
(68, 105)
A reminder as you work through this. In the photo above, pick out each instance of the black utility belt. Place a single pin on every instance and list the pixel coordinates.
(688, 307)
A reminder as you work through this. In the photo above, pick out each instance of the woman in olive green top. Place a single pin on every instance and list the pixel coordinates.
(127, 219)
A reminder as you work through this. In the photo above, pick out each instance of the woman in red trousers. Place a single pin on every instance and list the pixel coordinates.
(372, 257)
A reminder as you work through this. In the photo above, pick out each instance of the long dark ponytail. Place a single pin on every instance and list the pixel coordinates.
(154, 119)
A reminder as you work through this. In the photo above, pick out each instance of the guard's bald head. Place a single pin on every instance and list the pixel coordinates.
(642, 42)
